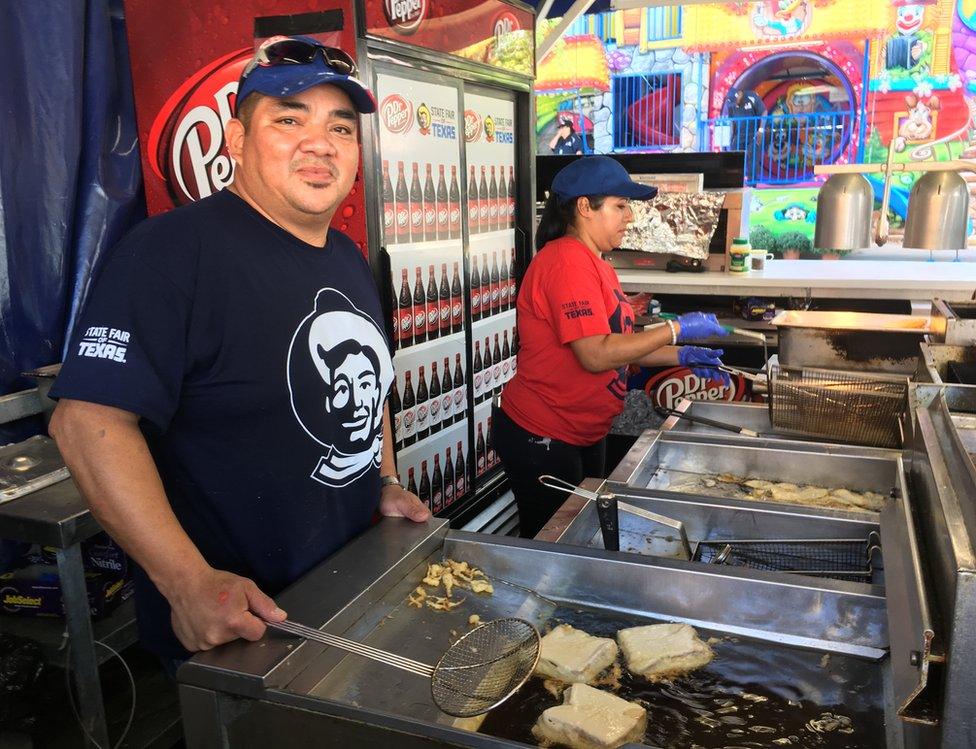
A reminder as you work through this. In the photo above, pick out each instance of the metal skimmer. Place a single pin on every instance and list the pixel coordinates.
(840, 406)
(478, 672)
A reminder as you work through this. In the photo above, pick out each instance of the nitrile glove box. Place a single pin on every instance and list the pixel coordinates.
(35, 590)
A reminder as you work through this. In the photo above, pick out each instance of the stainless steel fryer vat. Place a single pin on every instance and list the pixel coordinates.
(659, 459)
(284, 692)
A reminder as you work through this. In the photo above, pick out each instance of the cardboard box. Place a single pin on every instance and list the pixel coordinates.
(35, 590)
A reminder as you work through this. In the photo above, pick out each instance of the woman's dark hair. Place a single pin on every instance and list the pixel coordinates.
(558, 217)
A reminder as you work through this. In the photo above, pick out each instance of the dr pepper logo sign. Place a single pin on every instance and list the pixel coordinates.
(396, 114)
(668, 387)
(186, 140)
(405, 16)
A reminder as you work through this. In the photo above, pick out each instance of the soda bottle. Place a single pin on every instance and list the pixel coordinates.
(474, 220)
(511, 196)
(409, 420)
(443, 209)
(485, 287)
(447, 395)
(502, 198)
(511, 282)
(434, 400)
(424, 484)
(395, 411)
(496, 365)
(492, 456)
(437, 487)
(457, 303)
(395, 307)
(460, 474)
(493, 202)
(444, 303)
(486, 372)
(423, 407)
(433, 306)
(454, 206)
(506, 358)
(483, 200)
(419, 309)
(448, 479)
(405, 311)
(481, 457)
(411, 482)
(475, 285)
(402, 206)
(430, 207)
(514, 350)
(389, 207)
(416, 206)
(477, 366)
(460, 391)
(503, 285)
(495, 284)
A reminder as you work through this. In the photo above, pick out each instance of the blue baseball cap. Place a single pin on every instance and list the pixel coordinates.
(597, 175)
(285, 65)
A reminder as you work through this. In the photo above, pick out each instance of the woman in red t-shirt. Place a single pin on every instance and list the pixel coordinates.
(576, 338)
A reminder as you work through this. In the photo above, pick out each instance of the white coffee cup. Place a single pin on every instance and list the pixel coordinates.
(758, 259)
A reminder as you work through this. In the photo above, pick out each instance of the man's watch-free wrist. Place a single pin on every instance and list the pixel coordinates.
(391, 480)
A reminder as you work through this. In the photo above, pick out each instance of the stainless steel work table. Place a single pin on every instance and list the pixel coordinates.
(819, 279)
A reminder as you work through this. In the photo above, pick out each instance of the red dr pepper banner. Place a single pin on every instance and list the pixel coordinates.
(486, 31)
(186, 59)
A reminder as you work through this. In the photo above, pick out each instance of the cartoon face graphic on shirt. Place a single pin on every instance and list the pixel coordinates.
(339, 373)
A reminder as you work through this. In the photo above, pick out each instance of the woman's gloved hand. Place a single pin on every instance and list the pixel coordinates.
(704, 362)
(695, 325)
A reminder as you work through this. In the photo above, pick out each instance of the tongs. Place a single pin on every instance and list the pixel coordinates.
(608, 507)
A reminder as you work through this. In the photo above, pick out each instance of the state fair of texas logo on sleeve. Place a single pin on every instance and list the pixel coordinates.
(339, 373)
(103, 342)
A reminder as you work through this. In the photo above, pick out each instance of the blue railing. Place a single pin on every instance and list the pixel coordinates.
(646, 112)
(782, 149)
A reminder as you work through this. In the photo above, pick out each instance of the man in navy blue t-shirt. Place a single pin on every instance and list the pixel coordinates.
(223, 401)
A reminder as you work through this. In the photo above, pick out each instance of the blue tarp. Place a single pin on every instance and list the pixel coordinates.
(70, 179)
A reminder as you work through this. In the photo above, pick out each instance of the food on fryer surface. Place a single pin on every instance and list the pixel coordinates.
(657, 651)
(452, 574)
(591, 719)
(474, 620)
(572, 655)
(783, 491)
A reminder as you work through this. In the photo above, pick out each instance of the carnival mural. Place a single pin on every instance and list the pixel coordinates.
(793, 83)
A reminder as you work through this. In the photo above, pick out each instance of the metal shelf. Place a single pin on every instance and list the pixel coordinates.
(117, 630)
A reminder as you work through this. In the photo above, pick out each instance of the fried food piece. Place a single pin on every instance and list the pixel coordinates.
(863, 500)
(658, 651)
(572, 655)
(482, 586)
(591, 719)
(440, 603)
(416, 599)
(474, 620)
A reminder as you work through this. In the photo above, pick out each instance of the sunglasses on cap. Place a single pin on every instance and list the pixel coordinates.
(291, 51)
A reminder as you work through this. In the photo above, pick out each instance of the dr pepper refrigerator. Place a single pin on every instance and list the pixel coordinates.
(449, 219)
(442, 204)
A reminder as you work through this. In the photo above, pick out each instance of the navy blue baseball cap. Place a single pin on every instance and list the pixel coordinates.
(285, 65)
(597, 175)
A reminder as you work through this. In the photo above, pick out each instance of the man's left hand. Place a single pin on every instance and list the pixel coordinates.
(397, 502)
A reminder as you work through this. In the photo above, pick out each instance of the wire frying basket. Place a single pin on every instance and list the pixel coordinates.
(841, 406)
(837, 558)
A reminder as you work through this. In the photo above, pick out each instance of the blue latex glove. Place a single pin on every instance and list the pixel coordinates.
(704, 362)
(695, 325)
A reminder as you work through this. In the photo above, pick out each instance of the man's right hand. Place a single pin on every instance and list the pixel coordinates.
(214, 607)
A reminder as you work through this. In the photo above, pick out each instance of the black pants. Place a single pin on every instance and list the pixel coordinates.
(527, 456)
